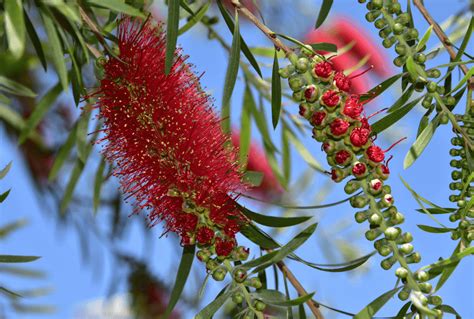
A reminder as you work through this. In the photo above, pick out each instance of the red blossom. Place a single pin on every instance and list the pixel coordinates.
(359, 169)
(342, 82)
(375, 154)
(330, 98)
(339, 127)
(359, 136)
(342, 156)
(323, 69)
(353, 108)
(224, 247)
(162, 135)
(204, 235)
(318, 118)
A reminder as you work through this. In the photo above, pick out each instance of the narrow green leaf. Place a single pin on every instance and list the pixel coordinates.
(449, 269)
(7, 229)
(424, 39)
(259, 117)
(10, 86)
(392, 118)
(63, 153)
(71, 185)
(371, 309)
(468, 75)
(293, 40)
(340, 267)
(35, 40)
(403, 311)
(305, 154)
(4, 195)
(245, 128)
(208, 311)
(276, 91)
(420, 144)
(171, 33)
(81, 133)
(273, 221)
(15, 271)
(15, 26)
(195, 18)
(400, 102)
(17, 259)
(231, 76)
(380, 88)
(425, 120)
(181, 278)
(56, 48)
(276, 298)
(39, 112)
(449, 309)
(436, 230)
(5, 170)
(301, 312)
(323, 12)
(436, 211)
(285, 153)
(121, 6)
(411, 68)
(9, 293)
(99, 179)
(243, 45)
(324, 46)
(34, 309)
(253, 178)
(258, 237)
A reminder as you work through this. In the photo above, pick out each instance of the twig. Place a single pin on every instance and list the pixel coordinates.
(87, 20)
(269, 33)
(440, 33)
(313, 305)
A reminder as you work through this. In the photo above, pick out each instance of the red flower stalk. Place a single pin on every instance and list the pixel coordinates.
(165, 140)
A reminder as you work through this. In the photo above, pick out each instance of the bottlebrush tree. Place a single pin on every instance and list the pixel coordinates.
(153, 142)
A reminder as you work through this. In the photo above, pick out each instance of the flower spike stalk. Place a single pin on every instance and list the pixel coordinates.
(338, 121)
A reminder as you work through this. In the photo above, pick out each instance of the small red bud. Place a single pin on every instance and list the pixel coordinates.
(224, 247)
(359, 169)
(204, 235)
(359, 136)
(342, 82)
(318, 118)
(323, 70)
(375, 154)
(330, 99)
(311, 93)
(353, 108)
(304, 110)
(342, 157)
(339, 127)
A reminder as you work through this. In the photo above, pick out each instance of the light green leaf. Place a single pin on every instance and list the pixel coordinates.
(181, 277)
(276, 298)
(195, 18)
(5, 170)
(15, 26)
(10, 86)
(245, 128)
(15, 271)
(436, 230)
(324, 46)
(7, 229)
(305, 154)
(63, 153)
(121, 6)
(424, 39)
(39, 112)
(253, 178)
(380, 88)
(420, 144)
(208, 311)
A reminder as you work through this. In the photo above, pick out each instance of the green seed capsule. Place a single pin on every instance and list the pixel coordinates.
(384, 250)
(401, 272)
(398, 28)
(403, 295)
(425, 287)
(371, 16)
(377, 4)
(450, 101)
(385, 32)
(399, 61)
(435, 300)
(388, 42)
(372, 234)
(406, 248)
(388, 263)
(403, 18)
(444, 118)
(391, 233)
(260, 306)
(396, 8)
(295, 82)
(360, 217)
(238, 298)
(380, 23)
(431, 87)
(413, 258)
(440, 89)
(435, 73)
(302, 65)
(219, 274)
(401, 49)
(420, 58)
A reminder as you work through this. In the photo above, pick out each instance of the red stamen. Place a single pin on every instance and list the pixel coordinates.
(361, 73)
(394, 144)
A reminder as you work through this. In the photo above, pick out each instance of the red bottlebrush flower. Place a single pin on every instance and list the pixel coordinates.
(342, 82)
(224, 247)
(375, 154)
(257, 161)
(359, 169)
(163, 136)
(330, 98)
(353, 108)
(323, 69)
(339, 127)
(342, 156)
(204, 235)
(318, 118)
(359, 136)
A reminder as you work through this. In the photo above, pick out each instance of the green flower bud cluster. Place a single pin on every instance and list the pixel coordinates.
(463, 184)
(243, 297)
(397, 31)
(338, 122)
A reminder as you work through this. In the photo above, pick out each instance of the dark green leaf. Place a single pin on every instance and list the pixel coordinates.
(273, 221)
(15, 26)
(81, 134)
(449, 309)
(10, 86)
(402, 312)
(243, 45)
(39, 112)
(393, 117)
(15, 271)
(323, 12)
(258, 237)
(171, 33)
(71, 185)
(436, 230)
(301, 312)
(341, 267)
(121, 6)
(35, 40)
(449, 269)
(208, 311)
(420, 144)
(231, 75)
(195, 18)
(9, 293)
(276, 298)
(5, 170)
(371, 309)
(253, 178)
(99, 179)
(181, 278)
(402, 100)
(436, 211)
(324, 46)
(285, 152)
(56, 48)
(378, 89)
(4, 195)
(276, 91)
(17, 259)
(63, 153)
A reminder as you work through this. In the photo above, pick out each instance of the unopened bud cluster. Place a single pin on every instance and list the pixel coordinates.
(396, 30)
(338, 122)
(463, 184)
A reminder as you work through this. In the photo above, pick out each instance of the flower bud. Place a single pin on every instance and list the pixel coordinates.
(219, 274)
(254, 282)
(240, 275)
(203, 255)
(360, 217)
(391, 233)
(384, 250)
(259, 306)
(351, 187)
(413, 258)
(295, 82)
(238, 298)
(401, 272)
(388, 263)
(372, 234)
(375, 186)
(359, 170)
(211, 264)
(425, 287)
(302, 65)
(404, 293)
(311, 93)
(359, 201)
(406, 248)
(435, 300)
(375, 219)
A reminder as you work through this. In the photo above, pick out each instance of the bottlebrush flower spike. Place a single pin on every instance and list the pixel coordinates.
(165, 140)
